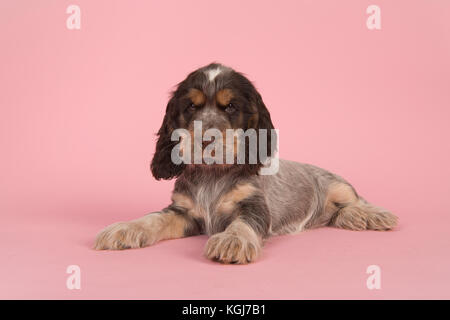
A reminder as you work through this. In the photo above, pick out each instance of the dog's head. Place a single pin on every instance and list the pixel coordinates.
(219, 98)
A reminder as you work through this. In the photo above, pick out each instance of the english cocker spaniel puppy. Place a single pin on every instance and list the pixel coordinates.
(233, 202)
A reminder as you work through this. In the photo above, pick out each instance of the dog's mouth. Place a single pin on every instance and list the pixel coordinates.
(217, 152)
(211, 152)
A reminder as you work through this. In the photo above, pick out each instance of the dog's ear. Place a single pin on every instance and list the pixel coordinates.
(261, 121)
(265, 122)
(162, 166)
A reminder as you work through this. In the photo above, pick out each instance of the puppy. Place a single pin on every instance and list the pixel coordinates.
(233, 203)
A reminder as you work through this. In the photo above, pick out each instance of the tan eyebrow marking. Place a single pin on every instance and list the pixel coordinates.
(224, 96)
(197, 97)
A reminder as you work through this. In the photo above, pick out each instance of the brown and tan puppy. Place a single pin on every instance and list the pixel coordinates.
(232, 203)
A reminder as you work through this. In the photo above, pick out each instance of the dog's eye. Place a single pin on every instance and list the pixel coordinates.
(191, 107)
(230, 108)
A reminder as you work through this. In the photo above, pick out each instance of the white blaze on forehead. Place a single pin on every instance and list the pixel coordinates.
(213, 73)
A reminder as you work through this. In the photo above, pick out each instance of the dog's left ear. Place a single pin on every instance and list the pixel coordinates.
(162, 166)
(265, 122)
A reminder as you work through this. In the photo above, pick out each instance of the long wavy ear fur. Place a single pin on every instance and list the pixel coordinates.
(162, 166)
(265, 122)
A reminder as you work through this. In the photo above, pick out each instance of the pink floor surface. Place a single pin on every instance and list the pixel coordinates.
(320, 264)
(79, 109)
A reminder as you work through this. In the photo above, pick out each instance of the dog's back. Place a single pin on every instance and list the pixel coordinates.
(302, 196)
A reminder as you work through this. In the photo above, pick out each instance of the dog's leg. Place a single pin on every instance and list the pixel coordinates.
(171, 223)
(242, 240)
(354, 213)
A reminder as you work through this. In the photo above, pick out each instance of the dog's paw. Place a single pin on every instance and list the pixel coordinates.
(122, 235)
(382, 221)
(352, 221)
(228, 247)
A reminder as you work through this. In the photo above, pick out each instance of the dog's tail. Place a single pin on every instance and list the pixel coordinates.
(355, 213)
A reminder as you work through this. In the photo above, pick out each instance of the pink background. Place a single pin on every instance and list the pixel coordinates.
(79, 110)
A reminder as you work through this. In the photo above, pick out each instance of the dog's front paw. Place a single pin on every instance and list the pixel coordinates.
(228, 247)
(122, 235)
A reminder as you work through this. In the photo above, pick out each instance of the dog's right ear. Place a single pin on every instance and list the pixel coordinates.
(162, 166)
